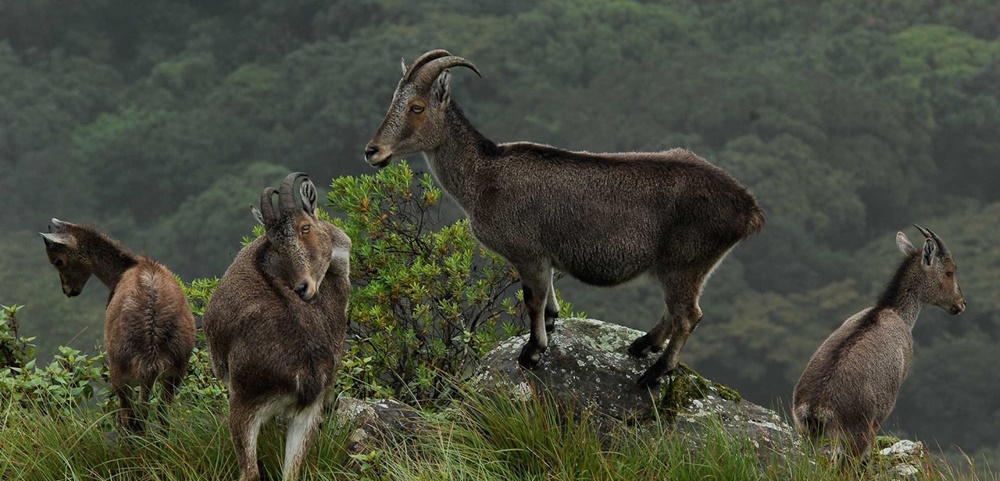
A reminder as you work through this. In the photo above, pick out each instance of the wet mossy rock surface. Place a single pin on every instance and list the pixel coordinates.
(587, 364)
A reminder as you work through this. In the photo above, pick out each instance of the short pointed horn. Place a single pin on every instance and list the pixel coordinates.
(942, 247)
(432, 69)
(286, 193)
(266, 206)
(923, 231)
(421, 60)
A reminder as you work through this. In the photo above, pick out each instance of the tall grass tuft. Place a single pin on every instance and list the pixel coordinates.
(498, 438)
(482, 437)
(39, 446)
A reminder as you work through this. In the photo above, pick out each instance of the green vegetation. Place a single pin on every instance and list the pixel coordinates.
(686, 386)
(427, 303)
(483, 438)
(80, 446)
(477, 436)
(161, 121)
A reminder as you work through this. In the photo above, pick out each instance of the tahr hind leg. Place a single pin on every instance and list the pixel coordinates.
(682, 292)
(244, 426)
(654, 340)
(551, 305)
(535, 282)
(170, 383)
(302, 428)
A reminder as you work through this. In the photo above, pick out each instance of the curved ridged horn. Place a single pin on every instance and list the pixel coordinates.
(286, 193)
(266, 207)
(429, 72)
(421, 60)
(923, 231)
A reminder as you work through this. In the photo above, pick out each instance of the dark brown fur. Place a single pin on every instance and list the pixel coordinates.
(602, 218)
(850, 384)
(277, 351)
(148, 327)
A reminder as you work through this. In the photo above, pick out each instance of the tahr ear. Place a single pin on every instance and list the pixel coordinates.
(930, 252)
(256, 214)
(402, 61)
(904, 244)
(309, 197)
(442, 89)
(61, 225)
(58, 240)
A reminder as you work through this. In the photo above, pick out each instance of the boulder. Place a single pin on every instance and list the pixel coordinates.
(587, 364)
(376, 420)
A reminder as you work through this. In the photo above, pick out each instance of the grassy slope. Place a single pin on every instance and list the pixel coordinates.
(487, 439)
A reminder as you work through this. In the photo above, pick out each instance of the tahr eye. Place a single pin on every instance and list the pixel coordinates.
(59, 262)
(305, 229)
(416, 109)
(949, 274)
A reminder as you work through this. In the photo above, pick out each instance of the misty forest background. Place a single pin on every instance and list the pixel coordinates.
(161, 121)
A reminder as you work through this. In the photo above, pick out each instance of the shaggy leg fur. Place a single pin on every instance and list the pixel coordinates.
(244, 424)
(302, 430)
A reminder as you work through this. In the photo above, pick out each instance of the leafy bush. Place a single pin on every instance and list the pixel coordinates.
(15, 351)
(427, 303)
(198, 293)
(200, 381)
(70, 380)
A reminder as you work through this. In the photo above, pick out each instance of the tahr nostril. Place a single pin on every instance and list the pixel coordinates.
(301, 289)
(370, 151)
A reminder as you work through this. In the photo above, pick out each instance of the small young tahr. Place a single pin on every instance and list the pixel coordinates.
(851, 383)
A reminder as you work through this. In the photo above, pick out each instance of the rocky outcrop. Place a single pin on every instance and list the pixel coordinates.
(587, 364)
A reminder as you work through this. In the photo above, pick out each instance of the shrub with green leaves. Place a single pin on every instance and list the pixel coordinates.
(428, 302)
(15, 351)
(69, 381)
(198, 293)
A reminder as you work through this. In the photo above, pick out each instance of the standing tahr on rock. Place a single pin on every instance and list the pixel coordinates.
(148, 324)
(851, 383)
(276, 323)
(602, 218)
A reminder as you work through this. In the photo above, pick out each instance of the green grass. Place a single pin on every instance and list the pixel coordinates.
(487, 438)
(36, 446)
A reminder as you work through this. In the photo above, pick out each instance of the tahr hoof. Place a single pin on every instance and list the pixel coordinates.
(649, 381)
(530, 356)
(653, 377)
(641, 347)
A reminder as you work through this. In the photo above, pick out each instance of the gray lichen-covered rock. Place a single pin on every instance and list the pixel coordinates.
(587, 364)
(900, 458)
(375, 420)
